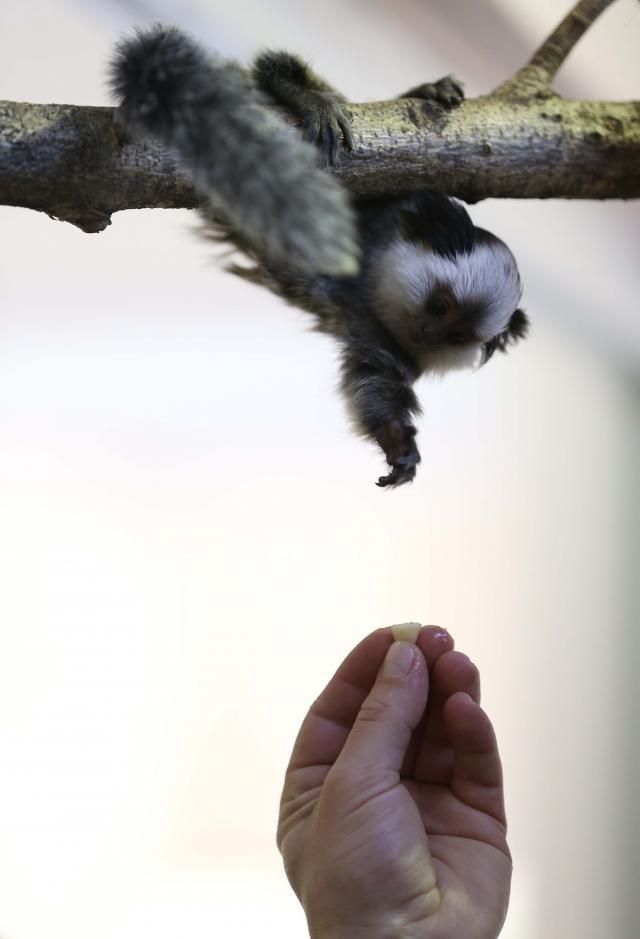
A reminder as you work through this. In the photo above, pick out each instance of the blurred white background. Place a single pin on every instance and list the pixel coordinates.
(191, 539)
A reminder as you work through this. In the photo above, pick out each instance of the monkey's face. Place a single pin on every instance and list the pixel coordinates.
(444, 321)
(433, 303)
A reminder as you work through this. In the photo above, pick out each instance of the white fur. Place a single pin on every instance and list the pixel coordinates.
(486, 276)
(450, 359)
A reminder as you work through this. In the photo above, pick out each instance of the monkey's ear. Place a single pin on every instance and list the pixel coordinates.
(517, 328)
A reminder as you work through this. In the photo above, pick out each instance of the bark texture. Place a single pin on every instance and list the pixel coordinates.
(521, 141)
(68, 161)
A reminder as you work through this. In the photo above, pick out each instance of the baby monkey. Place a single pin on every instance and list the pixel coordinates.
(407, 284)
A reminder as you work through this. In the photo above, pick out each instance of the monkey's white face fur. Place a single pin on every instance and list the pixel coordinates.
(486, 279)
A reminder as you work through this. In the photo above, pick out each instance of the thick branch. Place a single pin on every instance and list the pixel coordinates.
(68, 162)
(545, 63)
(495, 147)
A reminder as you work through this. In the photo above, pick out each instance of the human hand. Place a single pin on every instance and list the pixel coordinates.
(392, 821)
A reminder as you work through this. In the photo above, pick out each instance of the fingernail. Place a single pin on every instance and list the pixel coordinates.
(399, 659)
(442, 634)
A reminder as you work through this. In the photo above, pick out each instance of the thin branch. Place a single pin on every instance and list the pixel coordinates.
(545, 63)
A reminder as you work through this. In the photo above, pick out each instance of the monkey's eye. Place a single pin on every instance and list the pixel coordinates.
(440, 306)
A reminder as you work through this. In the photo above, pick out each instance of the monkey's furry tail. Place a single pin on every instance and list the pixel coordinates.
(248, 162)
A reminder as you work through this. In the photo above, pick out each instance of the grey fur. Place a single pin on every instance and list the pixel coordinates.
(254, 170)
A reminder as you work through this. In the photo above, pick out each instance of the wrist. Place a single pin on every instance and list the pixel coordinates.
(331, 916)
(401, 932)
(378, 931)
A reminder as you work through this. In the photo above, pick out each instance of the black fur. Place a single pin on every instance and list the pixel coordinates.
(270, 201)
(291, 82)
(439, 221)
(447, 92)
(518, 328)
(377, 374)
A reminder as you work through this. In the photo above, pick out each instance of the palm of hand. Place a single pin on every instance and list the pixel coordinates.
(420, 853)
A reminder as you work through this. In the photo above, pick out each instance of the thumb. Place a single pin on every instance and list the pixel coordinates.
(381, 733)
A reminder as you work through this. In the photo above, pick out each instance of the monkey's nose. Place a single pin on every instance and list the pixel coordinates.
(429, 335)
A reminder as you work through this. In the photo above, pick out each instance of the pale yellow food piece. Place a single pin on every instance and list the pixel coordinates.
(406, 632)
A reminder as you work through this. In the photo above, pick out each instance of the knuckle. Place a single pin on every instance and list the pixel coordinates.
(374, 710)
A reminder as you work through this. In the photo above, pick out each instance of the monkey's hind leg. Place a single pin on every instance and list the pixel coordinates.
(292, 83)
(447, 92)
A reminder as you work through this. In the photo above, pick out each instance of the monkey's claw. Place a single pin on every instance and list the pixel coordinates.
(447, 92)
(398, 476)
(399, 446)
(327, 126)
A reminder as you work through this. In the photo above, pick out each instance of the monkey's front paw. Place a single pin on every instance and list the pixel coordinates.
(399, 445)
(447, 92)
(326, 125)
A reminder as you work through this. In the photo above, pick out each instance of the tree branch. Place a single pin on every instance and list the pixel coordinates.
(521, 141)
(545, 63)
(67, 161)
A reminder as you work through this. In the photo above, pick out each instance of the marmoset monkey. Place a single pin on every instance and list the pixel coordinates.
(407, 285)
